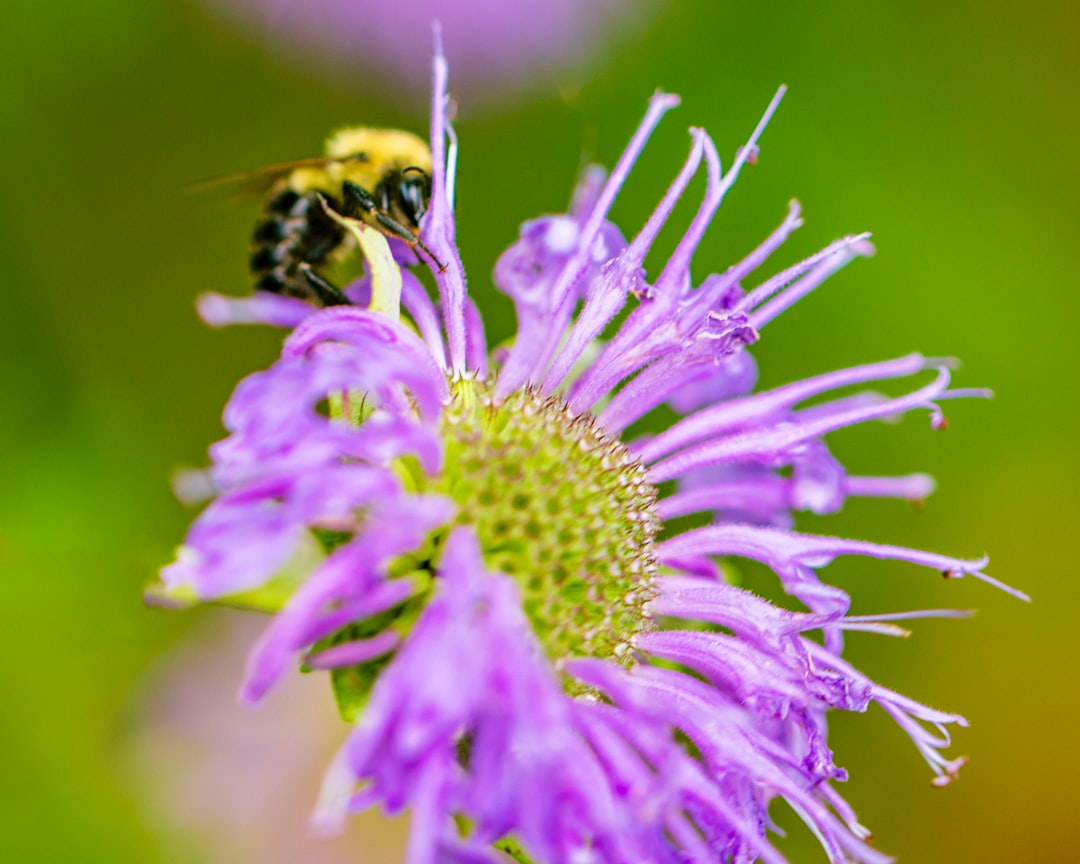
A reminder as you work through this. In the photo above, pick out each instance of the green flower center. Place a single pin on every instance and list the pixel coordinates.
(562, 508)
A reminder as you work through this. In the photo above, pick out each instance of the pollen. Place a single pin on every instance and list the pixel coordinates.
(560, 506)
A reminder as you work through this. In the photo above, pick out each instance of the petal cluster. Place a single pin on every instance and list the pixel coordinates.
(674, 755)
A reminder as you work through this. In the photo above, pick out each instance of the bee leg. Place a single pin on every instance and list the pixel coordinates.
(391, 226)
(324, 290)
(359, 201)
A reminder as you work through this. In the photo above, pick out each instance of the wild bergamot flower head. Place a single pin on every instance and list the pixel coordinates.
(534, 659)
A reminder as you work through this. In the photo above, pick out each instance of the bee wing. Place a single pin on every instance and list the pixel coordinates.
(259, 181)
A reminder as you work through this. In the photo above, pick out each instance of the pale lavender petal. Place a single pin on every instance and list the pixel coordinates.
(782, 550)
(353, 653)
(261, 307)
(759, 408)
(438, 228)
(913, 487)
(775, 445)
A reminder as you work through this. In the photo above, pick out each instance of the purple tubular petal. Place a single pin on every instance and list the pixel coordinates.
(429, 811)
(733, 376)
(775, 444)
(913, 487)
(782, 550)
(476, 349)
(764, 496)
(735, 609)
(674, 279)
(784, 278)
(824, 264)
(908, 714)
(413, 364)
(646, 335)
(760, 495)
(621, 276)
(528, 358)
(751, 412)
(676, 274)
(646, 332)
(352, 653)
(673, 373)
(761, 254)
(730, 745)
(231, 549)
(414, 298)
(347, 586)
(262, 307)
(438, 223)
(247, 535)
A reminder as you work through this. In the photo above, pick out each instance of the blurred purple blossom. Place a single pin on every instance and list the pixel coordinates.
(224, 784)
(496, 47)
(672, 720)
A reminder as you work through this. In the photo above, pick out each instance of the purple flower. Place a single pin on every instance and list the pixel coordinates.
(229, 785)
(475, 545)
(496, 46)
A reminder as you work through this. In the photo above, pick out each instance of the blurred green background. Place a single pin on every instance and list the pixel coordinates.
(950, 130)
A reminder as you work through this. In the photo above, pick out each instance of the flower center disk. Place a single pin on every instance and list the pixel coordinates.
(562, 508)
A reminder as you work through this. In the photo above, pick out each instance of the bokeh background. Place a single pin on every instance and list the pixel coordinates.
(950, 130)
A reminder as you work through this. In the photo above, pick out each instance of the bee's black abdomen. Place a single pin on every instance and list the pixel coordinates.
(267, 258)
(270, 231)
(283, 201)
(272, 282)
(296, 234)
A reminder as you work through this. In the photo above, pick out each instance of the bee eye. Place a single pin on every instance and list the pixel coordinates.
(413, 192)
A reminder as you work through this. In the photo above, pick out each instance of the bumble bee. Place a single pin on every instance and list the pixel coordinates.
(379, 176)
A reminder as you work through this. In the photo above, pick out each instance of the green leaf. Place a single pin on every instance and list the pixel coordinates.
(352, 685)
(514, 849)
